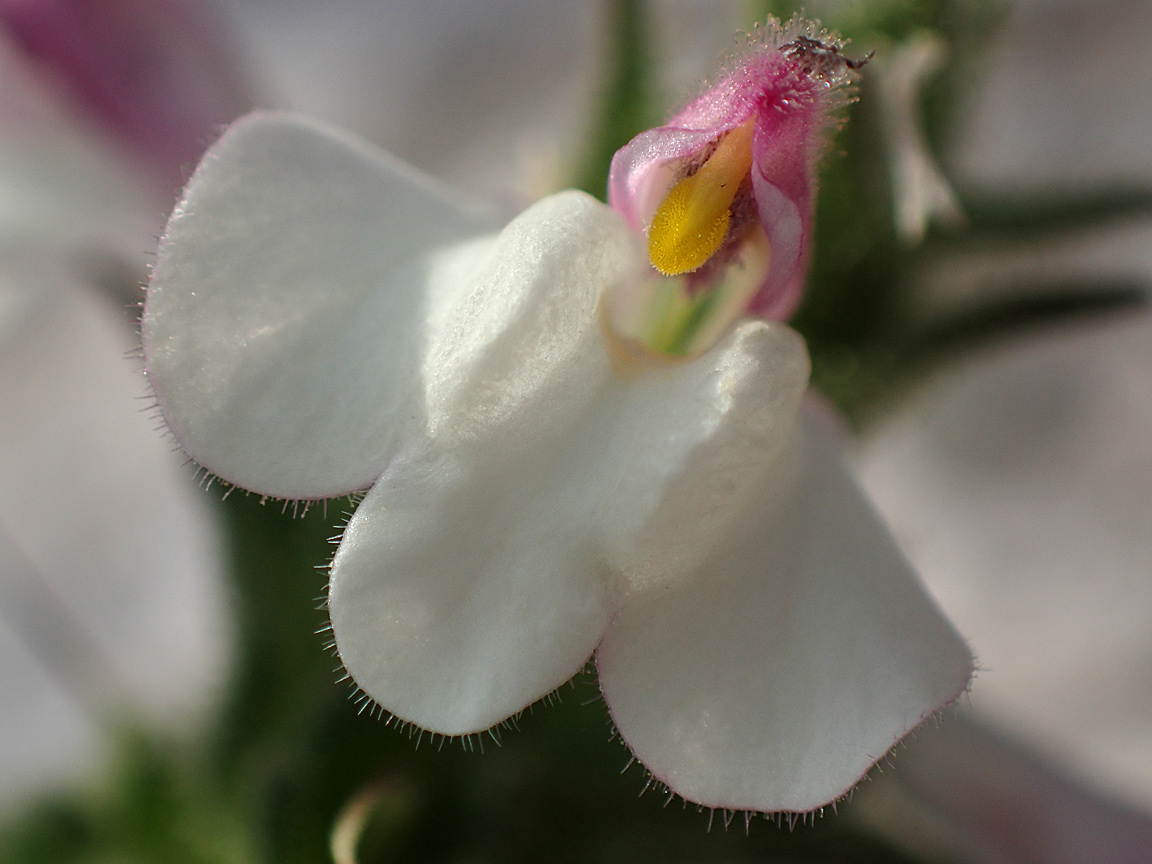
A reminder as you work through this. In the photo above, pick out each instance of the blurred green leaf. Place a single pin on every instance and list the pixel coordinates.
(1028, 307)
(1035, 214)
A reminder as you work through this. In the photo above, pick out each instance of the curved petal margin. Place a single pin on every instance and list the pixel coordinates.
(461, 594)
(286, 313)
(466, 586)
(792, 661)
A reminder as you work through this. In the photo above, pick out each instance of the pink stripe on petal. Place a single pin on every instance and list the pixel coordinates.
(788, 224)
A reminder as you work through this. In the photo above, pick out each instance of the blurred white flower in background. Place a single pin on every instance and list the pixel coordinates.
(111, 597)
(1020, 482)
(1019, 479)
(112, 603)
(493, 96)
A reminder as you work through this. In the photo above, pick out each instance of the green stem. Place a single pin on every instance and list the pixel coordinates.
(625, 103)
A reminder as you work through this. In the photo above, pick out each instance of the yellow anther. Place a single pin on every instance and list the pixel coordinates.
(692, 221)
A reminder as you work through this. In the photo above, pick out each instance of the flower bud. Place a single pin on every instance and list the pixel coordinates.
(724, 192)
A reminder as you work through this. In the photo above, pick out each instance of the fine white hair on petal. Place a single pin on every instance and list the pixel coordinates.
(796, 657)
(287, 309)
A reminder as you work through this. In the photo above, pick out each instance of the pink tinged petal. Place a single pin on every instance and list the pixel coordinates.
(785, 149)
(158, 72)
(287, 310)
(788, 224)
(643, 169)
(793, 660)
(58, 183)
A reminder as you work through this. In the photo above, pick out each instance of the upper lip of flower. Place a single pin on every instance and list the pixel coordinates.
(744, 152)
(318, 316)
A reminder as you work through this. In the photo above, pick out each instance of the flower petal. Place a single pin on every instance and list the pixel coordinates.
(463, 592)
(784, 150)
(677, 451)
(793, 661)
(482, 568)
(515, 344)
(286, 312)
(465, 587)
(644, 168)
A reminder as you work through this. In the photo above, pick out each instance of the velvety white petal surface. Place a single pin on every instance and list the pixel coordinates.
(287, 307)
(481, 570)
(464, 589)
(515, 346)
(792, 660)
(675, 453)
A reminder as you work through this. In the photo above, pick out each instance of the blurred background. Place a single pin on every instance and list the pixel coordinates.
(977, 312)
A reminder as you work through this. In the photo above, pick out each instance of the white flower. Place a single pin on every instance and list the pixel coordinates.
(111, 596)
(322, 319)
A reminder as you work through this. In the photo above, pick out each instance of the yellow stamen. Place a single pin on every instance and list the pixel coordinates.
(692, 221)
